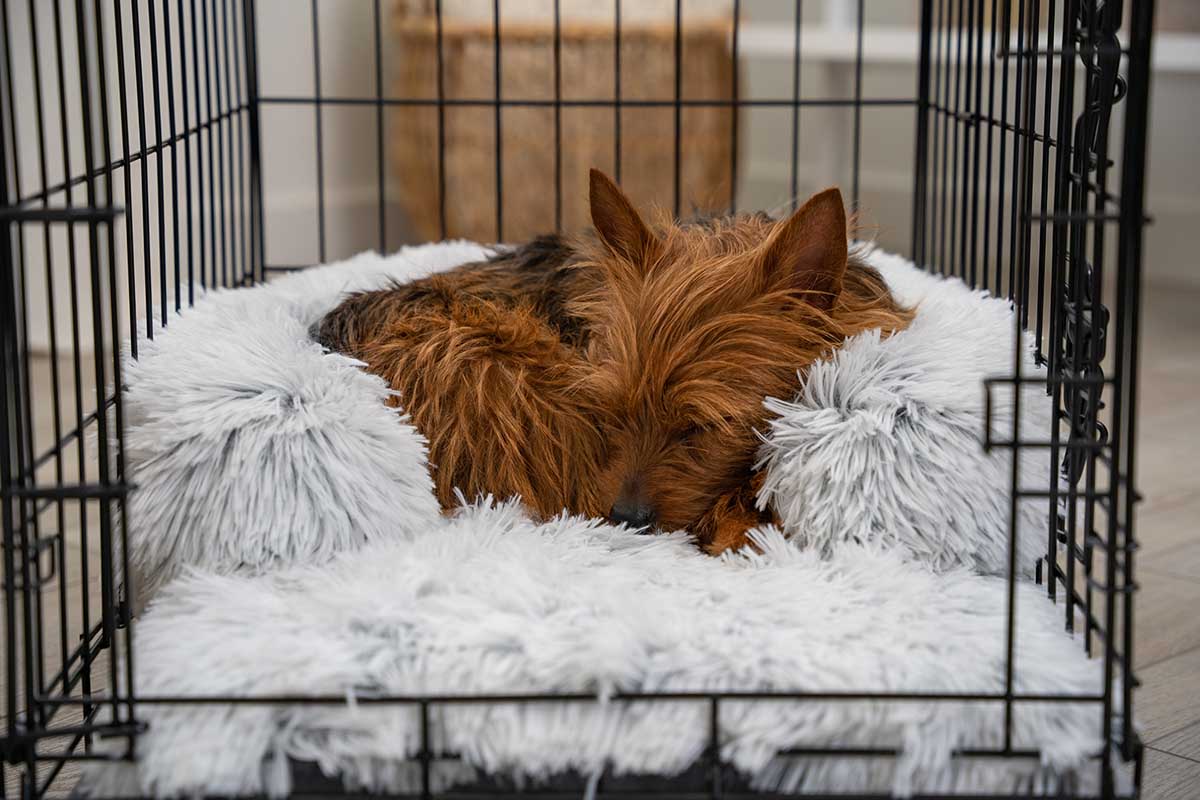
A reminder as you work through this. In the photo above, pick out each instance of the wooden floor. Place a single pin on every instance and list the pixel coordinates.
(1168, 565)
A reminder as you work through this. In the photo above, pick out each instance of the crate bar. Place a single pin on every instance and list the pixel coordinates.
(1047, 98)
(987, 178)
(102, 428)
(159, 167)
(795, 193)
(245, 184)
(498, 140)
(716, 768)
(1084, 150)
(257, 232)
(1058, 269)
(213, 154)
(172, 132)
(441, 122)
(1045, 216)
(317, 115)
(485, 102)
(577, 697)
(733, 112)
(973, 95)
(678, 104)
(1107, 76)
(201, 122)
(558, 202)
(118, 417)
(10, 455)
(1014, 462)
(921, 157)
(858, 71)
(937, 219)
(225, 137)
(87, 490)
(1002, 57)
(45, 214)
(617, 90)
(959, 146)
(139, 83)
(76, 346)
(52, 331)
(123, 99)
(381, 167)
(23, 373)
(942, 143)
(187, 159)
(1015, 268)
(1027, 159)
(1129, 302)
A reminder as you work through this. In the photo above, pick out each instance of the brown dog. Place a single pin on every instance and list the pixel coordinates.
(622, 372)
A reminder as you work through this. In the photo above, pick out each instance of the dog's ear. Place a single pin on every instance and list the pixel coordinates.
(617, 222)
(807, 252)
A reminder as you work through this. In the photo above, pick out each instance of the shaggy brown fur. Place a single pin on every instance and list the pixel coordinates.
(621, 372)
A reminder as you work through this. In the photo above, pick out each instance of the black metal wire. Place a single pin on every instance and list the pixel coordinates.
(173, 132)
(856, 158)
(214, 147)
(935, 219)
(734, 94)
(617, 90)
(156, 94)
(678, 106)
(1031, 219)
(558, 172)
(498, 141)
(318, 120)
(187, 161)
(381, 168)
(257, 237)
(441, 123)
(794, 152)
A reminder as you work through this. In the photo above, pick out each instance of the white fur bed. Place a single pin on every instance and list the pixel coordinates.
(299, 509)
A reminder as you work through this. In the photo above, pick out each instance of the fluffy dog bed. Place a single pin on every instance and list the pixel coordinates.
(298, 508)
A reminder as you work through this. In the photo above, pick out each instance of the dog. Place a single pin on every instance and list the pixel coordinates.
(620, 372)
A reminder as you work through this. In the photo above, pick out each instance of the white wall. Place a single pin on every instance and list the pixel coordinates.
(352, 166)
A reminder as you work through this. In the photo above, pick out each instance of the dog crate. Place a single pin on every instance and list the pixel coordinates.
(137, 144)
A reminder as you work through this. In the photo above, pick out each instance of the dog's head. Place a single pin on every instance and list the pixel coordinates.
(693, 326)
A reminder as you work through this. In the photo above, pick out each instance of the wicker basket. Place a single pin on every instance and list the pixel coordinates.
(588, 135)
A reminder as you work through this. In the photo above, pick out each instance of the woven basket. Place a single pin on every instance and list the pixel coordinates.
(588, 135)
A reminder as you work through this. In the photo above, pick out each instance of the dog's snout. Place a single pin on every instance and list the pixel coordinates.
(632, 513)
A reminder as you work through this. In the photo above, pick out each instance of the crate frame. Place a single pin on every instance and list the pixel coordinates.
(1074, 251)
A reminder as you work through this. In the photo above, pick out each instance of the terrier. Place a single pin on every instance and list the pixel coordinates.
(620, 372)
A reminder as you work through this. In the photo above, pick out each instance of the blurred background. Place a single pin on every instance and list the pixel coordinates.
(323, 203)
(765, 53)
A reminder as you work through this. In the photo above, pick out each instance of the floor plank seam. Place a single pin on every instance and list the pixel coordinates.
(1169, 753)
(1169, 503)
(1141, 668)
(1164, 573)
(1170, 733)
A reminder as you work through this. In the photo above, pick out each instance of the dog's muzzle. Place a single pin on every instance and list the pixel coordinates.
(635, 515)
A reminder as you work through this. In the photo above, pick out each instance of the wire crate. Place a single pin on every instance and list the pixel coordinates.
(137, 144)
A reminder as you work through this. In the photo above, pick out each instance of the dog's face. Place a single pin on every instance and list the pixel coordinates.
(692, 327)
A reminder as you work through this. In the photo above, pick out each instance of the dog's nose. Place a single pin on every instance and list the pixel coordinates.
(635, 515)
